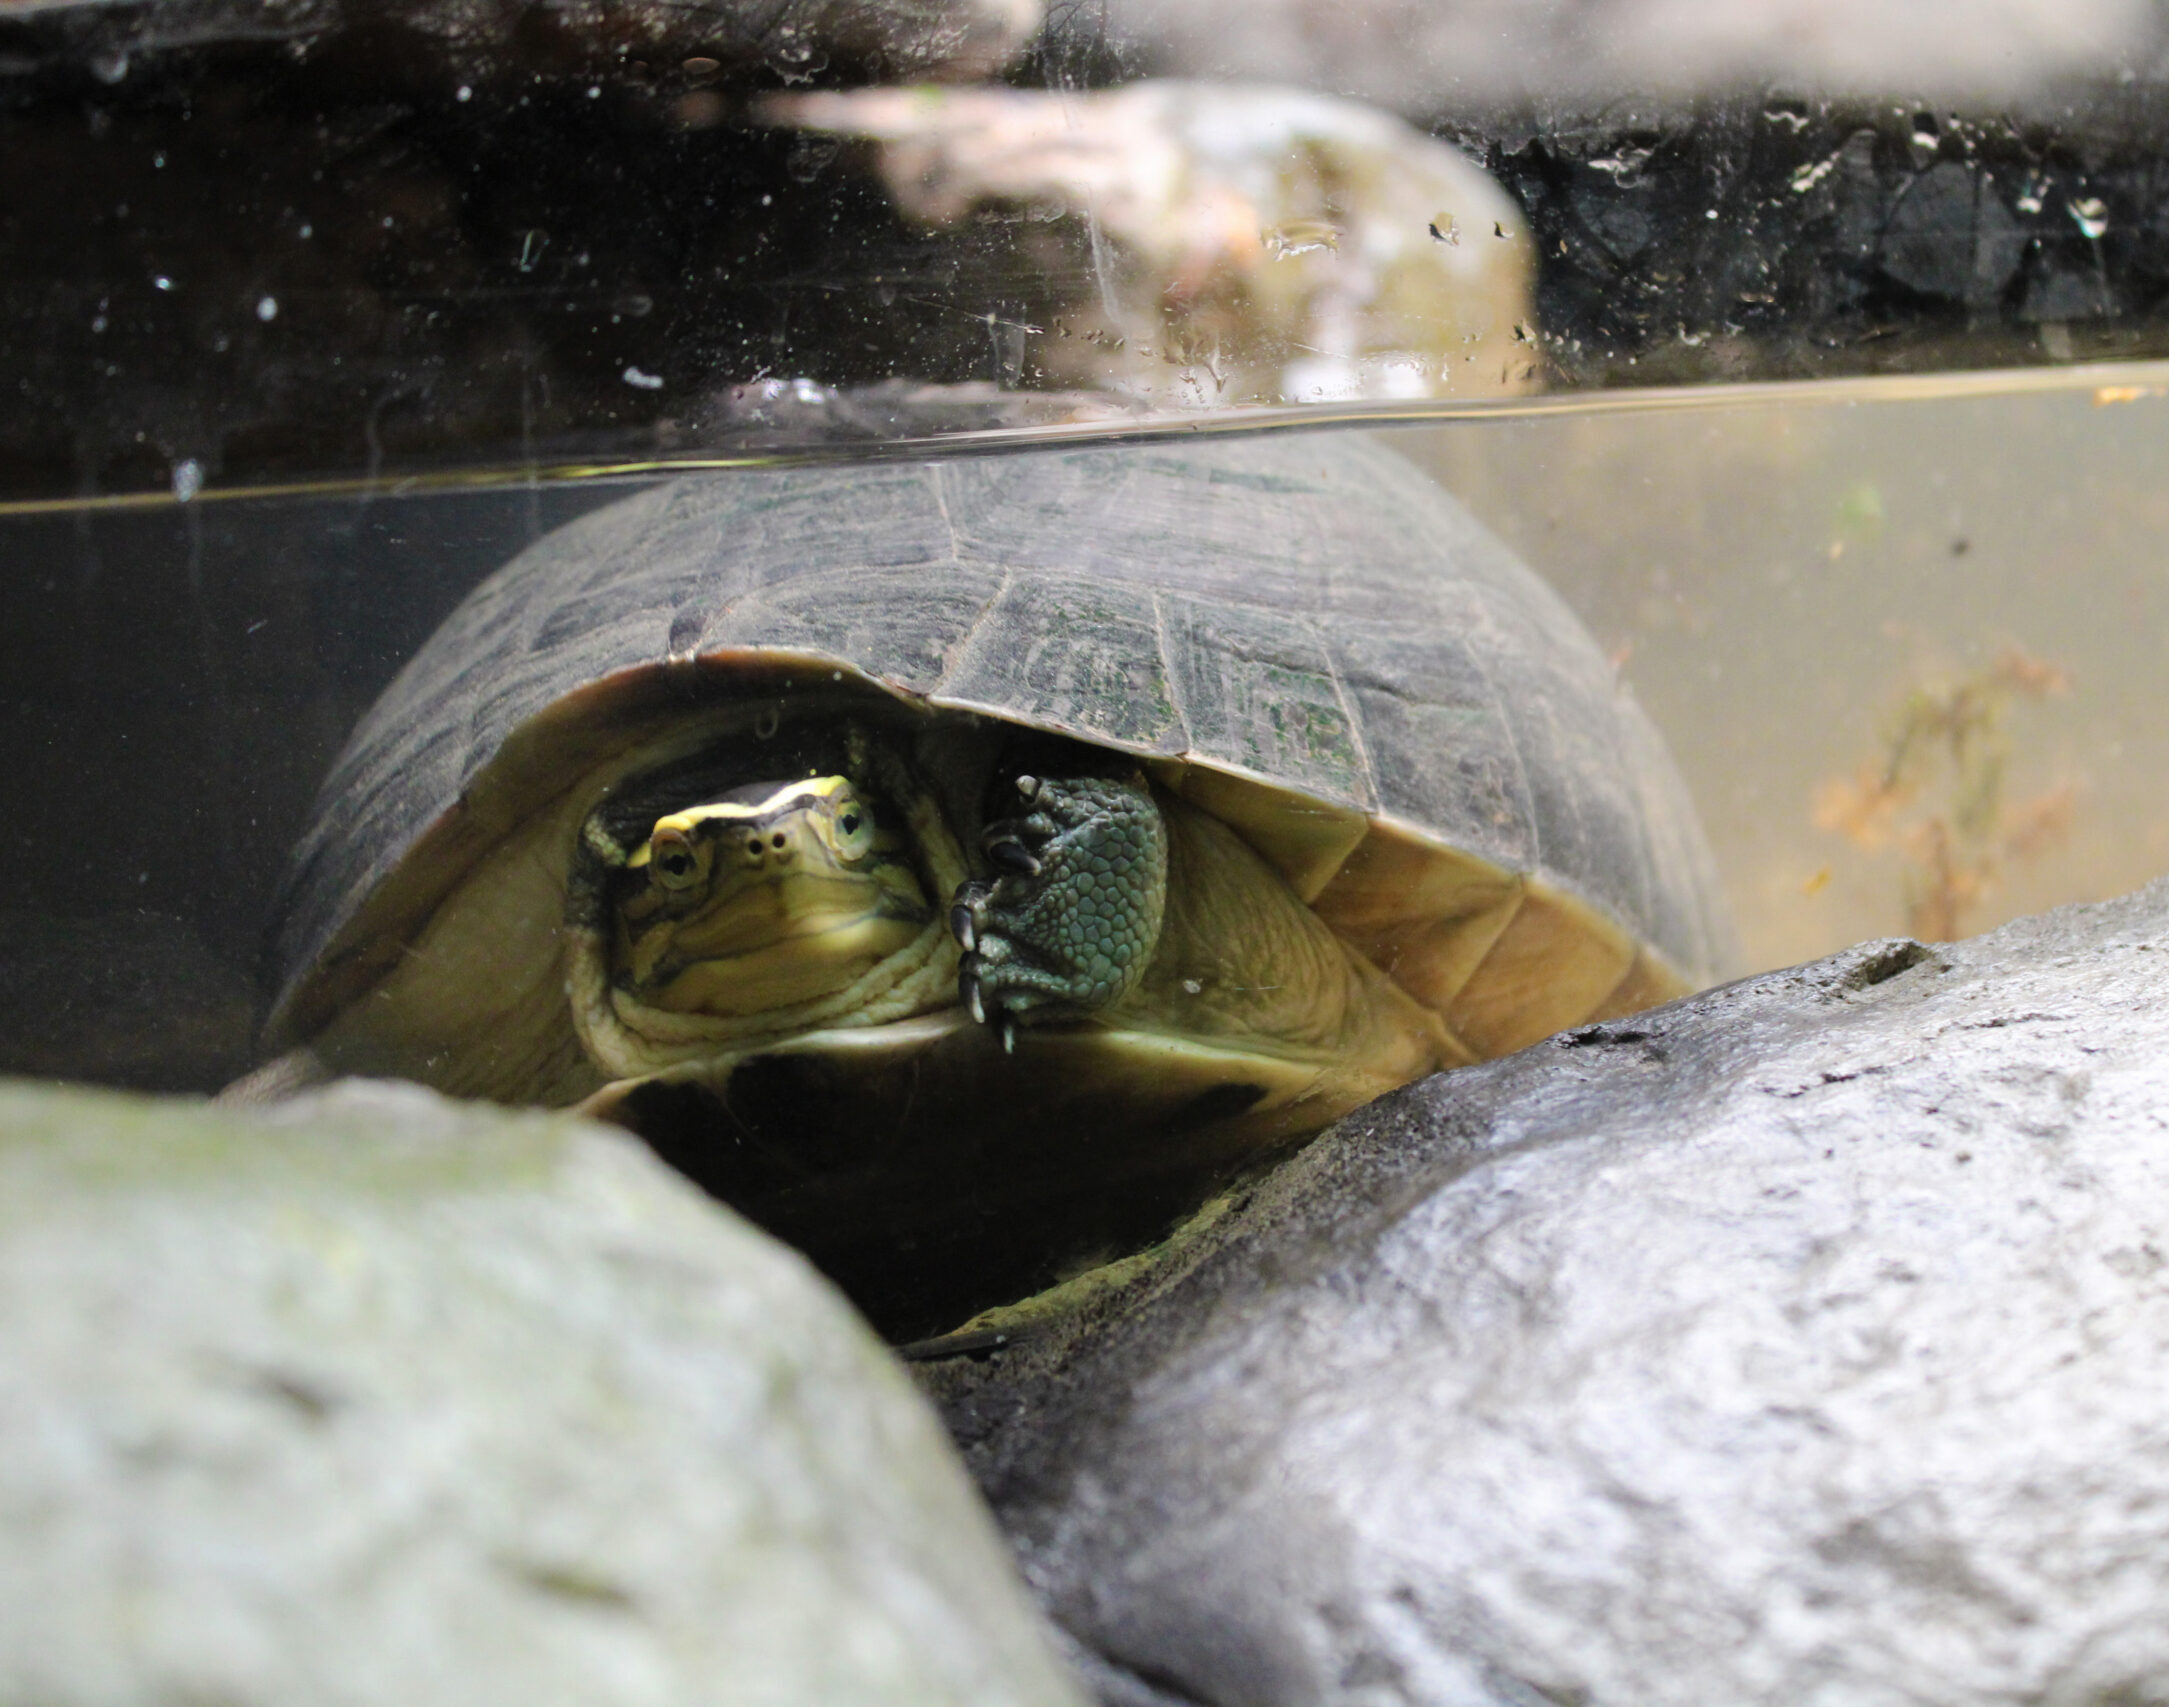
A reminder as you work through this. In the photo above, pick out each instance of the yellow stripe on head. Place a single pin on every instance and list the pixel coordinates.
(791, 796)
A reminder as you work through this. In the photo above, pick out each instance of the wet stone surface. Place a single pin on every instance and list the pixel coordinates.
(1800, 1341)
(380, 1399)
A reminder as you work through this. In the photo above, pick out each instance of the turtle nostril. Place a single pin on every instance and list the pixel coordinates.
(778, 838)
(753, 846)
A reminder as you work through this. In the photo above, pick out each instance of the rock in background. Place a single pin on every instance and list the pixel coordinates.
(382, 1400)
(1802, 1341)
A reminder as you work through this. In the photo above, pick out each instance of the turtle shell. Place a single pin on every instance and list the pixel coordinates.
(1301, 635)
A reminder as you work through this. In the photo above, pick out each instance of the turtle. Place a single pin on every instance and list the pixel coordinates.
(960, 865)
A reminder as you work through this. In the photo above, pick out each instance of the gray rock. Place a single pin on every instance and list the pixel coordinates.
(382, 1400)
(1804, 1341)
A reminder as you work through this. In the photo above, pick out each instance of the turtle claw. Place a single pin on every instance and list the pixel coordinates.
(975, 1002)
(1068, 923)
(1008, 851)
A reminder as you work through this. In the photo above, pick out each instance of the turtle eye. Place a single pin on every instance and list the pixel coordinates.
(672, 860)
(854, 834)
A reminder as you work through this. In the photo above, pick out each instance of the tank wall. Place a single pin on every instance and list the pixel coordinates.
(178, 681)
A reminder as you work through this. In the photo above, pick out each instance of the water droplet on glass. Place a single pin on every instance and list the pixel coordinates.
(308, 231)
(646, 381)
(109, 67)
(794, 58)
(1623, 166)
(532, 243)
(187, 479)
(1299, 237)
(161, 281)
(99, 324)
(811, 156)
(594, 91)
(267, 308)
(1006, 340)
(1805, 178)
(463, 93)
(2090, 215)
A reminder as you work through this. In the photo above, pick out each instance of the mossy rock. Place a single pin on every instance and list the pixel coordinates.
(380, 1398)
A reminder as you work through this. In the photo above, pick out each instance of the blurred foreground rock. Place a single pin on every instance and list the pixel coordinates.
(1197, 247)
(1802, 1341)
(380, 1400)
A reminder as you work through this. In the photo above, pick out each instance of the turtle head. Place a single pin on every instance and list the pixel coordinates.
(761, 833)
(767, 897)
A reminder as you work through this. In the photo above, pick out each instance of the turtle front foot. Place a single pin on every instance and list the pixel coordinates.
(1069, 925)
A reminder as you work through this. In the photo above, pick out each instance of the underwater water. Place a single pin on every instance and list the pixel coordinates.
(1912, 656)
(1909, 656)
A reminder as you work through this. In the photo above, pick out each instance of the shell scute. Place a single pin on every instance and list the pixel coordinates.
(1447, 753)
(1553, 962)
(1145, 518)
(1258, 693)
(1074, 653)
(790, 525)
(898, 625)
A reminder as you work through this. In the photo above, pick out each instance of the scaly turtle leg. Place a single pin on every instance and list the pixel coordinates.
(1070, 924)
